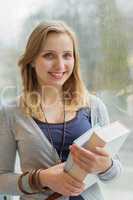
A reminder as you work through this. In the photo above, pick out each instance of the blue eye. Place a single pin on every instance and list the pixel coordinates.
(48, 55)
(67, 55)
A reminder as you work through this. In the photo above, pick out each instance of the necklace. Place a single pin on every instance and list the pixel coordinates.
(49, 132)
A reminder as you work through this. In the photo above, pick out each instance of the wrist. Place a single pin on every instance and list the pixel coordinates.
(107, 167)
(43, 176)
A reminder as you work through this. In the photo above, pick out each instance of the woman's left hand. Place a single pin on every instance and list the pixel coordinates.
(96, 161)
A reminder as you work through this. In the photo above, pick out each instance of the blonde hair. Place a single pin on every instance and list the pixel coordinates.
(74, 88)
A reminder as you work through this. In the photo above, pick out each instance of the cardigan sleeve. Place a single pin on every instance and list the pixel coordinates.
(8, 147)
(99, 112)
(100, 116)
(8, 151)
(113, 172)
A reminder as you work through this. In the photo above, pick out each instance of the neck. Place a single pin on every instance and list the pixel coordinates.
(51, 95)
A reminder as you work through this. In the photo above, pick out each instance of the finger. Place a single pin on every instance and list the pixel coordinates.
(72, 193)
(85, 165)
(82, 152)
(82, 159)
(101, 151)
(73, 188)
(76, 183)
(76, 193)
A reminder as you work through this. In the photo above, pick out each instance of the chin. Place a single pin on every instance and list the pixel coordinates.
(54, 84)
(57, 84)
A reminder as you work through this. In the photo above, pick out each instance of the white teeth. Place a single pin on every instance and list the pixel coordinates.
(56, 74)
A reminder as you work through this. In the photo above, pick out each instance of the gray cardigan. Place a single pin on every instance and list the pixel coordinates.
(20, 133)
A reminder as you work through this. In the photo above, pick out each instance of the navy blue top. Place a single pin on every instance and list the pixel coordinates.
(73, 129)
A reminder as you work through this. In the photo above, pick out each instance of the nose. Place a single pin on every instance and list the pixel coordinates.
(59, 64)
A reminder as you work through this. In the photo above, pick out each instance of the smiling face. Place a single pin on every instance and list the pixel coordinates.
(55, 63)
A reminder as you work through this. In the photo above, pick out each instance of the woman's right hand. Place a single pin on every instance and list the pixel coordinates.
(59, 181)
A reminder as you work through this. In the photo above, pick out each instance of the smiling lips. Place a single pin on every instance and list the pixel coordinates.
(56, 75)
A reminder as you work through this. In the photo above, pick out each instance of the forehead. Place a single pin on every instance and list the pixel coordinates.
(58, 42)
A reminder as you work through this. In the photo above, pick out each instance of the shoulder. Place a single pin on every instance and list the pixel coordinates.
(99, 110)
(96, 102)
(10, 112)
(10, 107)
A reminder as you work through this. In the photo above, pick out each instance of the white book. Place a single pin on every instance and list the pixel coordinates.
(111, 137)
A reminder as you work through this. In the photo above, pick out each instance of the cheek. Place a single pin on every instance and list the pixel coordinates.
(42, 68)
(70, 65)
(70, 70)
(41, 72)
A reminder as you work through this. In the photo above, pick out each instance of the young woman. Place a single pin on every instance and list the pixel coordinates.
(53, 110)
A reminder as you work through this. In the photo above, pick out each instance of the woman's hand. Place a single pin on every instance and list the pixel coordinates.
(96, 161)
(59, 181)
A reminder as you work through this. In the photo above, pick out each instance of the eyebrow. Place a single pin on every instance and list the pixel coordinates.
(50, 50)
